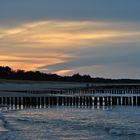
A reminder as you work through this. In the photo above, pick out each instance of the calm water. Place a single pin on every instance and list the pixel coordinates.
(66, 123)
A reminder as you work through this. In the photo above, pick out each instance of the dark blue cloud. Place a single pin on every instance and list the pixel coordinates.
(124, 55)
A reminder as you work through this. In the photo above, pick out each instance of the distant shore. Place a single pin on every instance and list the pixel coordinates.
(27, 76)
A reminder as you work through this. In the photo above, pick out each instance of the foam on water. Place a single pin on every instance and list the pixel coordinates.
(67, 123)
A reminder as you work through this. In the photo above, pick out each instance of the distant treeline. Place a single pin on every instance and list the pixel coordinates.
(9, 74)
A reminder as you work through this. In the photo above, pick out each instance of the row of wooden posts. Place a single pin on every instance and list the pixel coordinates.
(37, 102)
(85, 91)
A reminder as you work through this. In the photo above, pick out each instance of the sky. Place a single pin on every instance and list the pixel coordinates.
(96, 37)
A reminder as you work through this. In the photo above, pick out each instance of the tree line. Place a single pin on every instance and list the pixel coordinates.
(10, 74)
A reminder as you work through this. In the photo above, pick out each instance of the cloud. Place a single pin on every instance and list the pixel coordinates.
(67, 46)
(66, 33)
(117, 61)
(27, 63)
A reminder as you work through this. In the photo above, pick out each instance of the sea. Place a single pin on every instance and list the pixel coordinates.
(71, 123)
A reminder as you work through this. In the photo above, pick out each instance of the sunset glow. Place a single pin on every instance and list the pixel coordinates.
(64, 40)
(50, 36)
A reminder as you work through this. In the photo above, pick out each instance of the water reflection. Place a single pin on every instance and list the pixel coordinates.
(73, 122)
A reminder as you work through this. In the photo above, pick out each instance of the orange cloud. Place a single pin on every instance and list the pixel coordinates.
(27, 63)
(64, 72)
(64, 33)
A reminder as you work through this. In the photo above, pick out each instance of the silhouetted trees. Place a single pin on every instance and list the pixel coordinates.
(5, 72)
(8, 73)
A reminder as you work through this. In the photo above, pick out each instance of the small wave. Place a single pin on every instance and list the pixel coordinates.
(124, 130)
(132, 132)
(2, 125)
(116, 132)
(24, 120)
(30, 120)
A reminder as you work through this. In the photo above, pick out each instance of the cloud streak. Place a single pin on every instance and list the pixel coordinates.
(67, 46)
(66, 33)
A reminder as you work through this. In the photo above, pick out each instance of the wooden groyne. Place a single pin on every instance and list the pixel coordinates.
(96, 95)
